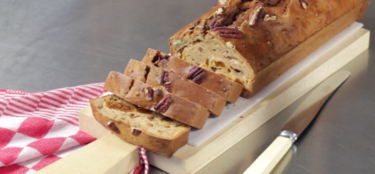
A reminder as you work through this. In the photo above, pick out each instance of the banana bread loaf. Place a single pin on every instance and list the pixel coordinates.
(171, 82)
(240, 39)
(138, 126)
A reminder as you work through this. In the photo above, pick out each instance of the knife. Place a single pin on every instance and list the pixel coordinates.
(297, 122)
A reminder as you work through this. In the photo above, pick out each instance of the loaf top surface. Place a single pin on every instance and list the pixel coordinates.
(240, 38)
(138, 118)
(279, 26)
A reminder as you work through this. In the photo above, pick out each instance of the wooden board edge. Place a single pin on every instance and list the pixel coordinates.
(108, 154)
(89, 125)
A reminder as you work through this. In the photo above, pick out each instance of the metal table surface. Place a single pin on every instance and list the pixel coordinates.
(47, 44)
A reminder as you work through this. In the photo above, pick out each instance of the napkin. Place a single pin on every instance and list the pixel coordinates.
(39, 128)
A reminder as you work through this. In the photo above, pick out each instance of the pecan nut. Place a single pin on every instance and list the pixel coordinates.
(304, 4)
(164, 80)
(255, 15)
(111, 125)
(164, 77)
(195, 74)
(149, 93)
(162, 60)
(136, 131)
(164, 104)
(229, 32)
(163, 63)
(168, 86)
(214, 23)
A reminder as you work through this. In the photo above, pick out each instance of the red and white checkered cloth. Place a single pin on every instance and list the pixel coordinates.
(37, 129)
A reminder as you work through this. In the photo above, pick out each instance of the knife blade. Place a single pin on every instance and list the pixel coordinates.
(296, 124)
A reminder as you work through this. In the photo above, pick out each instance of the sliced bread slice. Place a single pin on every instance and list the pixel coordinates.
(140, 127)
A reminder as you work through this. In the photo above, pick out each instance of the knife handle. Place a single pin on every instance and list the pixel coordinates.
(270, 157)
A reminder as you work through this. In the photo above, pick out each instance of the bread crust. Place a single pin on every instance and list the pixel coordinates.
(227, 89)
(180, 87)
(263, 43)
(158, 145)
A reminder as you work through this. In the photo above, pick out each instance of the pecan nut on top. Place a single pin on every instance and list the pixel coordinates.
(214, 23)
(255, 15)
(229, 32)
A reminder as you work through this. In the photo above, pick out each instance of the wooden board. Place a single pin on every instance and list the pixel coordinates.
(191, 159)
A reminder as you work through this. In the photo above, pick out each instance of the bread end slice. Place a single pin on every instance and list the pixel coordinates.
(140, 127)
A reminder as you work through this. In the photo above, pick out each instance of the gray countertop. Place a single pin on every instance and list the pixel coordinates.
(47, 44)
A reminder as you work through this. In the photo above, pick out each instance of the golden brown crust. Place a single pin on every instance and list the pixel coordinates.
(180, 87)
(225, 88)
(158, 145)
(278, 29)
